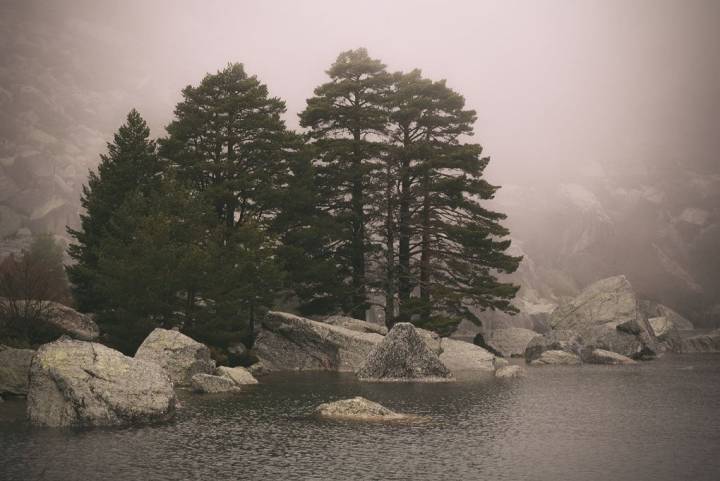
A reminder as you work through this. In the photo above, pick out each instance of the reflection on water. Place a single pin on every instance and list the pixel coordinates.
(657, 420)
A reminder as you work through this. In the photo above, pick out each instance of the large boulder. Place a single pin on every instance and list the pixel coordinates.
(356, 324)
(459, 356)
(403, 355)
(14, 370)
(511, 341)
(359, 409)
(608, 315)
(210, 384)
(558, 340)
(239, 375)
(78, 383)
(286, 342)
(709, 342)
(181, 356)
(61, 318)
(557, 358)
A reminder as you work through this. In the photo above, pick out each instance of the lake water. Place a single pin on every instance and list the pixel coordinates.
(658, 420)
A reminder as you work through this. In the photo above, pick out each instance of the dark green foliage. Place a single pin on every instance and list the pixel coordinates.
(130, 165)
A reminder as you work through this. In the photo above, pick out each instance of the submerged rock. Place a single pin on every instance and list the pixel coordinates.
(601, 356)
(507, 372)
(511, 341)
(607, 315)
(15, 370)
(709, 342)
(78, 383)
(462, 356)
(239, 375)
(210, 384)
(403, 355)
(556, 358)
(356, 324)
(181, 356)
(359, 409)
(286, 342)
(556, 340)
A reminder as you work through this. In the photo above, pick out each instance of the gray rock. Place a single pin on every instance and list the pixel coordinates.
(511, 341)
(78, 383)
(556, 340)
(181, 356)
(258, 369)
(286, 342)
(608, 315)
(461, 356)
(356, 324)
(63, 318)
(14, 370)
(601, 356)
(507, 372)
(359, 409)
(709, 342)
(403, 355)
(556, 358)
(432, 339)
(210, 384)
(653, 309)
(666, 332)
(239, 375)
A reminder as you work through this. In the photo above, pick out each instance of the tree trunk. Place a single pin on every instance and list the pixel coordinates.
(359, 301)
(404, 285)
(425, 254)
(389, 252)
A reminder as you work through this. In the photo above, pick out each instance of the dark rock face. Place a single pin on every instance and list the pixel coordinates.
(15, 370)
(709, 342)
(78, 383)
(558, 340)
(403, 355)
(181, 356)
(286, 342)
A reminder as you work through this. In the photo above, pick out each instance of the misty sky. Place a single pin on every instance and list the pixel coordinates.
(562, 88)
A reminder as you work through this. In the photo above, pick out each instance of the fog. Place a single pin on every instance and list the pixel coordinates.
(604, 95)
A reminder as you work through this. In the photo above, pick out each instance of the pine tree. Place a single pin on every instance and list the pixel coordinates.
(130, 165)
(346, 118)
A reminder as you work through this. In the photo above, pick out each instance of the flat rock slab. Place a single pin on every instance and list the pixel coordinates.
(360, 409)
(557, 358)
(403, 356)
(356, 324)
(210, 384)
(239, 375)
(78, 383)
(459, 356)
(601, 356)
(181, 356)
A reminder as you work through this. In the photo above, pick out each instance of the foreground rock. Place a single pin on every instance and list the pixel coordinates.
(403, 355)
(601, 356)
(557, 358)
(210, 384)
(14, 370)
(359, 409)
(709, 342)
(507, 372)
(356, 324)
(558, 340)
(608, 316)
(286, 342)
(459, 356)
(239, 375)
(181, 356)
(62, 319)
(511, 341)
(78, 383)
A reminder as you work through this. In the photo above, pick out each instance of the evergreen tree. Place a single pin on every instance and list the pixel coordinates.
(346, 118)
(130, 165)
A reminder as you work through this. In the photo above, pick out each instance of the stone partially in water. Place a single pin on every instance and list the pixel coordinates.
(239, 375)
(555, 340)
(14, 370)
(181, 356)
(359, 409)
(403, 355)
(461, 356)
(556, 358)
(507, 372)
(210, 384)
(601, 356)
(709, 342)
(78, 383)
(511, 341)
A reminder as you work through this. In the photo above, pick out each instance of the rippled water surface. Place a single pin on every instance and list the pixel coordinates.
(655, 421)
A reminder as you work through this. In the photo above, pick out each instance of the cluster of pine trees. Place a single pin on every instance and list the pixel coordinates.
(380, 198)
